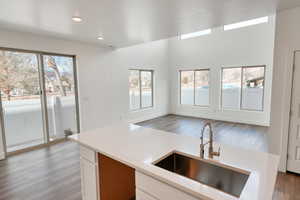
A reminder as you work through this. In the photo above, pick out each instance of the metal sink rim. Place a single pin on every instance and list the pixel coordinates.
(208, 161)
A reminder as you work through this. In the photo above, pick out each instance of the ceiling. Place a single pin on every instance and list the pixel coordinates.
(128, 22)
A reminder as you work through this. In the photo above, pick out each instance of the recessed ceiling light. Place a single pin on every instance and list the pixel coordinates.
(77, 19)
(100, 38)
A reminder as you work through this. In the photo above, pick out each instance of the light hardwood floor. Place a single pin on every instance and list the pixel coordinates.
(53, 173)
(240, 135)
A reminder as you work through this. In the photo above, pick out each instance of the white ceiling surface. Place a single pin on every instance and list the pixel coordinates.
(128, 22)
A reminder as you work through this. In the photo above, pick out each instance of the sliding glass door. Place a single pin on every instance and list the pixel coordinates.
(38, 97)
(21, 99)
(60, 93)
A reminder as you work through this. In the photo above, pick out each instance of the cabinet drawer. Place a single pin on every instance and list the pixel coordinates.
(87, 154)
(160, 190)
(140, 195)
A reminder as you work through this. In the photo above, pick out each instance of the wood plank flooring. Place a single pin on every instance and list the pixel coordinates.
(53, 173)
(287, 187)
(240, 135)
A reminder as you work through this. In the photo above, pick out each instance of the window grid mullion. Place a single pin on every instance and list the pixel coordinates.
(194, 87)
(180, 85)
(241, 95)
(152, 93)
(140, 84)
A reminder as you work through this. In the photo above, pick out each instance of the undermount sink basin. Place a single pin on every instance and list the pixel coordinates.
(224, 178)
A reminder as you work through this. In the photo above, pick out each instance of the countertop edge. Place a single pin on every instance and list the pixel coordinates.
(147, 172)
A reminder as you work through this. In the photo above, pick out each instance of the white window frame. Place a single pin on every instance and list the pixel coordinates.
(241, 88)
(194, 93)
(140, 89)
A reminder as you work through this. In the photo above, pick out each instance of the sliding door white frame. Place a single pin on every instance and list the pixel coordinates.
(40, 63)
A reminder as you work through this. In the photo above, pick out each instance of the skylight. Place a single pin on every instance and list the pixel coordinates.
(246, 23)
(195, 34)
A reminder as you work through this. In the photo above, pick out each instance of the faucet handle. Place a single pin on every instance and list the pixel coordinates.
(214, 153)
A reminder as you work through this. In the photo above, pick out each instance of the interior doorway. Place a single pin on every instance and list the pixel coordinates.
(38, 98)
(293, 161)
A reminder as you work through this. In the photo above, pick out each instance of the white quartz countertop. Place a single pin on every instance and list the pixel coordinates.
(139, 147)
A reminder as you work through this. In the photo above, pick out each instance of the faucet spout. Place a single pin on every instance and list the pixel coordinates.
(211, 152)
(202, 138)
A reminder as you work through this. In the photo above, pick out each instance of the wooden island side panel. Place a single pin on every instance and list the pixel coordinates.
(117, 180)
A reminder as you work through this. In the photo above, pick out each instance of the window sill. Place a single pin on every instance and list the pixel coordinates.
(141, 109)
(195, 106)
(241, 110)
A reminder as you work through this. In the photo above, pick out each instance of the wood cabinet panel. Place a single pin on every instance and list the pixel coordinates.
(117, 180)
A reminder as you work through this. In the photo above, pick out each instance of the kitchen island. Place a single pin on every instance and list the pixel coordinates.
(120, 159)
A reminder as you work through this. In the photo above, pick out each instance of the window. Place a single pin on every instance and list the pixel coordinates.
(187, 87)
(253, 88)
(134, 89)
(140, 89)
(194, 87)
(243, 88)
(246, 23)
(195, 34)
(231, 88)
(146, 80)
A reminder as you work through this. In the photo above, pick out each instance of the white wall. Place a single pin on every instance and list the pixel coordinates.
(286, 42)
(103, 76)
(115, 103)
(241, 47)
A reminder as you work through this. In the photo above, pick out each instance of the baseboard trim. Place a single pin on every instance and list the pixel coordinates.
(149, 117)
(37, 147)
(156, 115)
(239, 121)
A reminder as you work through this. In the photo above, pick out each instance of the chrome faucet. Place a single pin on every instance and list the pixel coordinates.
(211, 152)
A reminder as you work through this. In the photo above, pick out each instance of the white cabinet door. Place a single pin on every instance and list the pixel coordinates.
(88, 180)
(159, 190)
(140, 195)
(293, 163)
(89, 174)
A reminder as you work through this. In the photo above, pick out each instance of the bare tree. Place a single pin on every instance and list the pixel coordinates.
(52, 64)
(19, 75)
(17, 71)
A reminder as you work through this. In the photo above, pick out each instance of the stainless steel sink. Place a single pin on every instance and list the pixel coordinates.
(224, 178)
